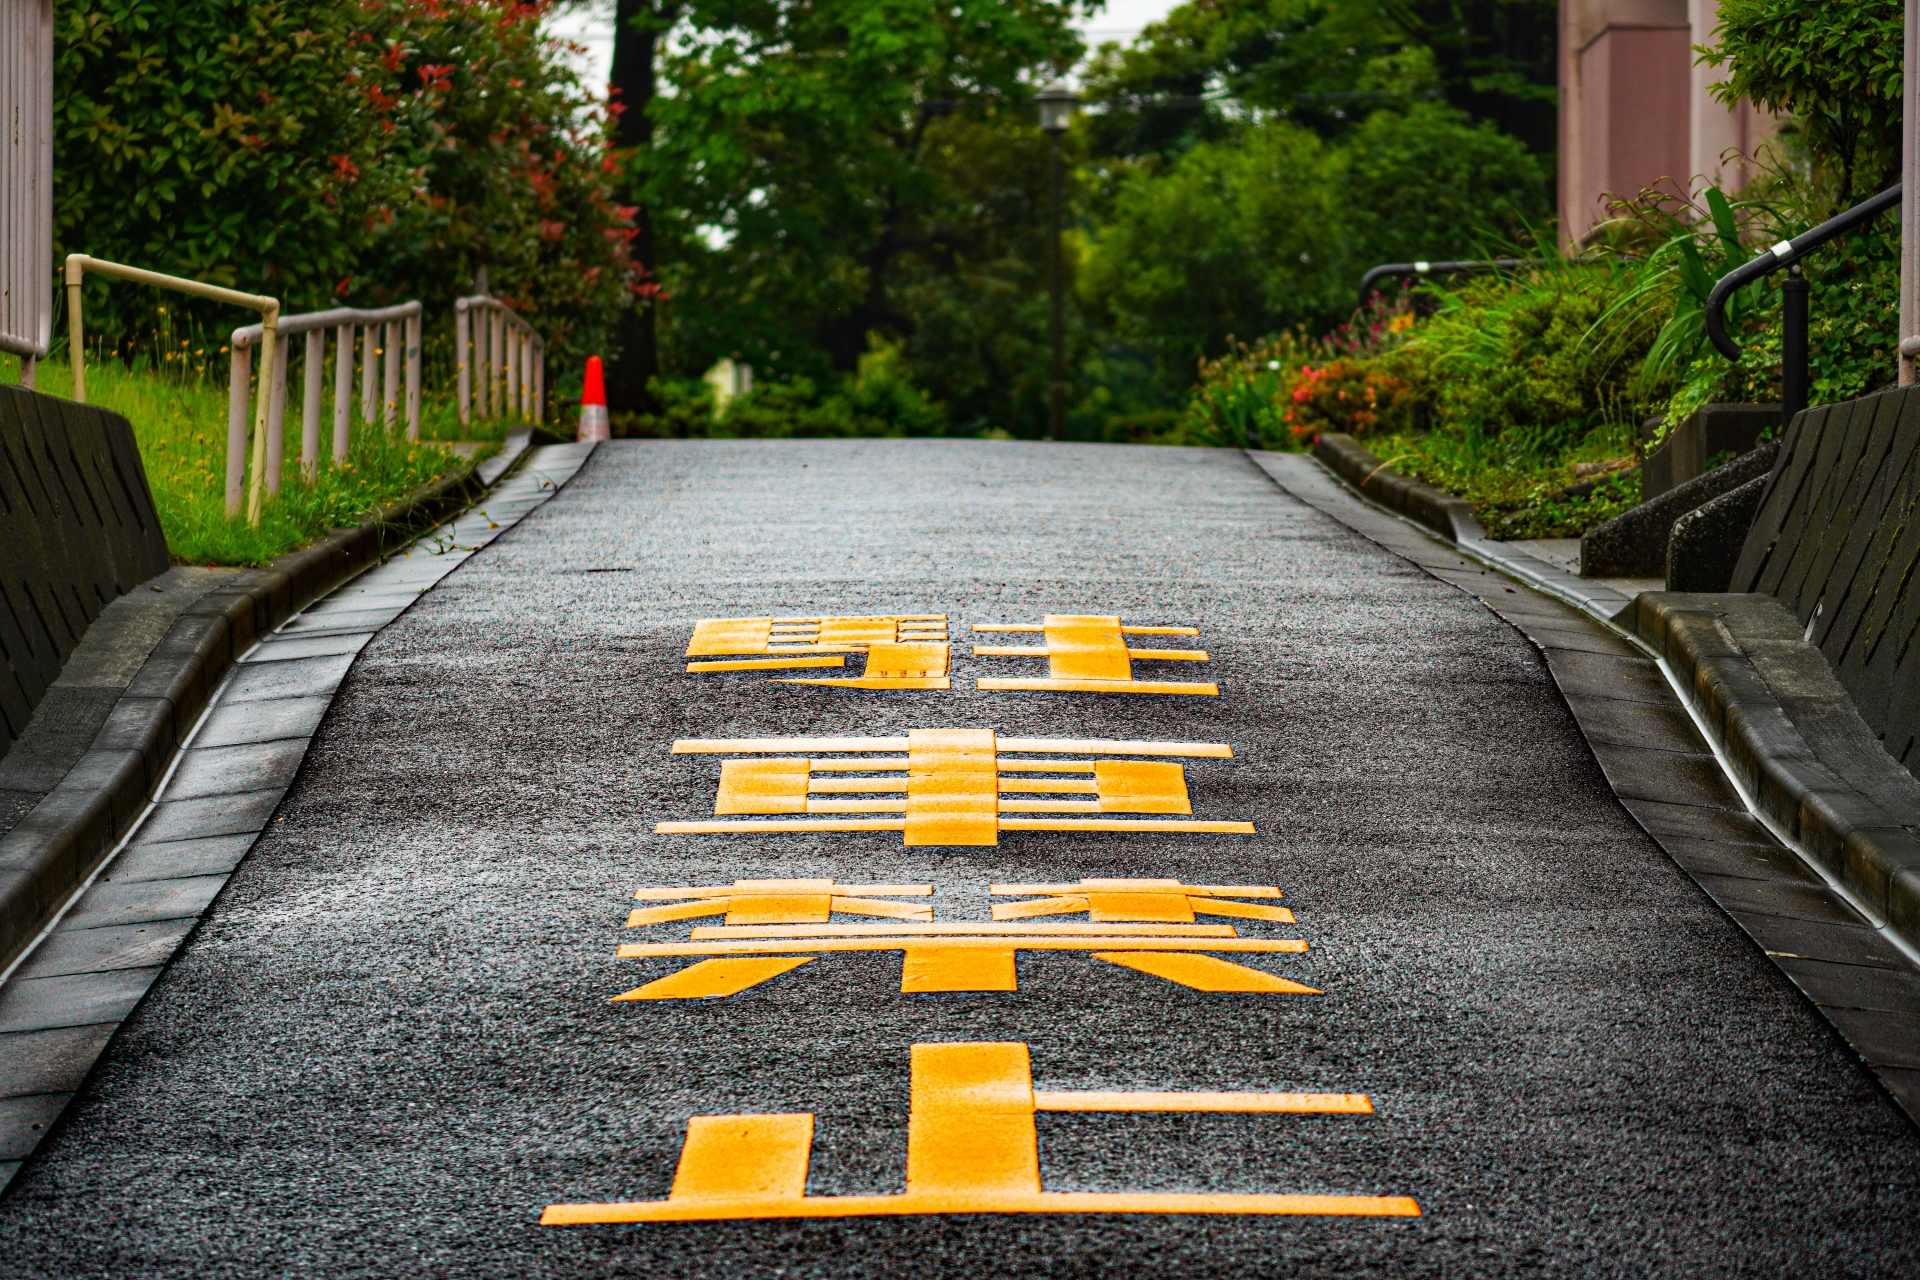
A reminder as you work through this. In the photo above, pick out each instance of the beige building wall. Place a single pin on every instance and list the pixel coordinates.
(1716, 128)
(1635, 112)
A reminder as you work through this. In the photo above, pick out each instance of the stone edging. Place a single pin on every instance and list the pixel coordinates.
(1657, 754)
(1452, 518)
(1761, 690)
(1852, 812)
(56, 846)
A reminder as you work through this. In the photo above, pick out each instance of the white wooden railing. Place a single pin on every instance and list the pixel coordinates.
(502, 361)
(78, 264)
(397, 356)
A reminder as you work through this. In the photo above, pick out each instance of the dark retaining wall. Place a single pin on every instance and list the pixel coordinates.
(1836, 541)
(1714, 430)
(77, 531)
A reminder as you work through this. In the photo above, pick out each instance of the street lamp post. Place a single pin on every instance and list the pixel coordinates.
(1056, 114)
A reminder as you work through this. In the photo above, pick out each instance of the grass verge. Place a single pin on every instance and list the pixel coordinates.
(181, 425)
(1514, 496)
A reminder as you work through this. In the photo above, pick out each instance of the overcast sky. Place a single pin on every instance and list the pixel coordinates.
(1122, 20)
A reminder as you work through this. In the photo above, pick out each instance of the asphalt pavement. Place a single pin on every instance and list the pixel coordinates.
(391, 1044)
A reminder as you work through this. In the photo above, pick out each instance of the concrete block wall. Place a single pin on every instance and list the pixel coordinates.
(78, 530)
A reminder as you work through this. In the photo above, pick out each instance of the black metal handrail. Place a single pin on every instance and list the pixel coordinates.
(1408, 270)
(1793, 337)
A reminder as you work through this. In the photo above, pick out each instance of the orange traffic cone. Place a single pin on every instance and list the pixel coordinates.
(593, 405)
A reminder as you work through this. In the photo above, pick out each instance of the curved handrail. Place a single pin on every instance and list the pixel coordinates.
(307, 322)
(1784, 254)
(1401, 270)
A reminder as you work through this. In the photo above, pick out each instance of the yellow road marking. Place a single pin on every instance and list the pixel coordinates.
(1335, 1104)
(972, 1147)
(711, 979)
(1207, 973)
(1013, 942)
(1088, 653)
(963, 928)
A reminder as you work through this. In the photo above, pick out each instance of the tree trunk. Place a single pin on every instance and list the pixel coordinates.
(636, 357)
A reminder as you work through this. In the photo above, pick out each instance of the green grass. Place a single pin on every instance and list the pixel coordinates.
(1514, 494)
(179, 417)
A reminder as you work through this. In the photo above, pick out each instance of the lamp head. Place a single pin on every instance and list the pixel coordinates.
(1056, 107)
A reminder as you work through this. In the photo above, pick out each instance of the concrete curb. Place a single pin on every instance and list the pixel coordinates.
(1452, 518)
(64, 999)
(1785, 729)
(1793, 738)
(57, 845)
(1668, 765)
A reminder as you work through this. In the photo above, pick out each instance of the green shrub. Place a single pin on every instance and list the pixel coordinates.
(878, 400)
(1273, 227)
(330, 152)
(1533, 362)
(1833, 66)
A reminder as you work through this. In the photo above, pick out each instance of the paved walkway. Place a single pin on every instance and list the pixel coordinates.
(391, 1046)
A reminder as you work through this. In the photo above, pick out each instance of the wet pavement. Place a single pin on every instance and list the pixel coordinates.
(391, 1044)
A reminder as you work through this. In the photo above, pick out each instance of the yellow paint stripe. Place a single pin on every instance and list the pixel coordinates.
(766, 664)
(1242, 910)
(677, 911)
(712, 979)
(1030, 746)
(962, 929)
(758, 826)
(1191, 890)
(881, 907)
(785, 746)
(1207, 973)
(1159, 631)
(1097, 747)
(1040, 684)
(1338, 1104)
(818, 786)
(1123, 824)
(1050, 806)
(878, 764)
(720, 1209)
(1018, 942)
(767, 826)
(1044, 766)
(749, 888)
(879, 682)
(1075, 785)
(1170, 655)
(879, 804)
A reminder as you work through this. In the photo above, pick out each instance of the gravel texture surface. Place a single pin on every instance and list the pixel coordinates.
(389, 1046)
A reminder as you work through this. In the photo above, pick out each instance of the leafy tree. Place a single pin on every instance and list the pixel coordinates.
(329, 152)
(638, 26)
(219, 139)
(976, 289)
(494, 158)
(790, 166)
(1835, 66)
(1326, 64)
(1203, 251)
(1274, 227)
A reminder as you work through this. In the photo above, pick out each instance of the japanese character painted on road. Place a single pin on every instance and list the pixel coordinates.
(1088, 653)
(903, 651)
(950, 787)
(972, 1147)
(770, 922)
